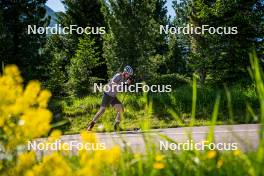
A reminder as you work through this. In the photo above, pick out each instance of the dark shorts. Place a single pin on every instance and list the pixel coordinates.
(106, 100)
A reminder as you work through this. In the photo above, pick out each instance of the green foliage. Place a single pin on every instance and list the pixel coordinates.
(57, 74)
(223, 57)
(175, 80)
(179, 44)
(16, 45)
(2, 38)
(175, 62)
(77, 59)
(84, 14)
(134, 37)
(80, 68)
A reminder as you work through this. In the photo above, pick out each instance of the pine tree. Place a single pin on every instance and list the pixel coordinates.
(81, 66)
(65, 50)
(2, 39)
(56, 69)
(133, 38)
(179, 45)
(19, 47)
(175, 63)
(84, 13)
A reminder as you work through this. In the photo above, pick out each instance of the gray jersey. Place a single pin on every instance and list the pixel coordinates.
(118, 79)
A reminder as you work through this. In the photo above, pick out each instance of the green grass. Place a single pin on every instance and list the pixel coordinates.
(241, 99)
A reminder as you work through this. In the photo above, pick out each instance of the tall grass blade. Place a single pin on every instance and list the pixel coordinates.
(214, 119)
(229, 104)
(175, 116)
(194, 98)
(257, 76)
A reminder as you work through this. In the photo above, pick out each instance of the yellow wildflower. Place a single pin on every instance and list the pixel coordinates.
(211, 154)
(159, 157)
(36, 123)
(112, 155)
(2, 121)
(87, 169)
(44, 98)
(205, 142)
(84, 156)
(13, 72)
(220, 163)
(237, 152)
(158, 165)
(54, 165)
(55, 135)
(23, 113)
(65, 147)
(137, 156)
(25, 161)
(31, 92)
(88, 137)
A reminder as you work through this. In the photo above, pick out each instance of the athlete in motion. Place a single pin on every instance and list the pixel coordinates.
(109, 97)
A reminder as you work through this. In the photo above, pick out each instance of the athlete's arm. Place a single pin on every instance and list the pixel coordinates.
(129, 81)
(116, 79)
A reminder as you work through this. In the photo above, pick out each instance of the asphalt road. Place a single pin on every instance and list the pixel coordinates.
(245, 137)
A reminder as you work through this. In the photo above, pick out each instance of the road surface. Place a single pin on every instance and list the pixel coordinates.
(245, 137)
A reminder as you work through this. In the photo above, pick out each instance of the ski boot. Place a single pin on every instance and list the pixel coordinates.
(117, 127)
(90, 126)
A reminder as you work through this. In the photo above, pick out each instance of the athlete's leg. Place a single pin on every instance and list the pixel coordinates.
(105, 101)
(99, 114)
(96, 117)
(119, 112)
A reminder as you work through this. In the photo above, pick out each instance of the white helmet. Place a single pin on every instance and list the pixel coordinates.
(128, 70)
